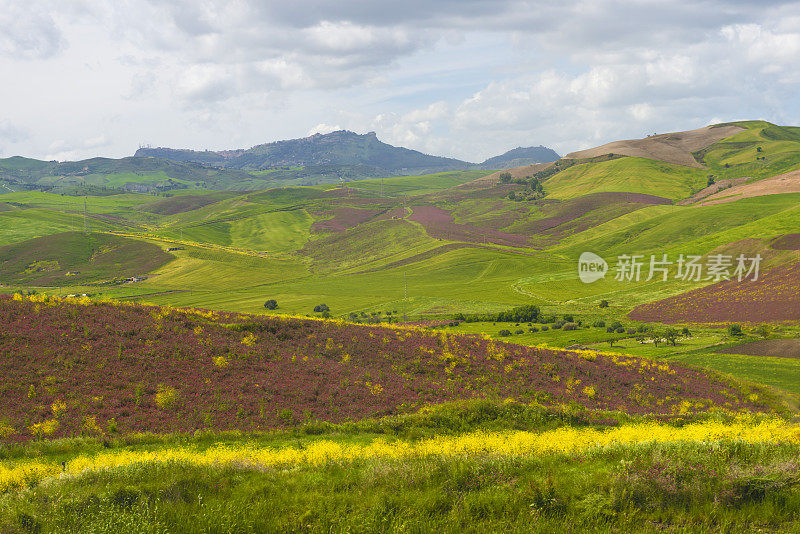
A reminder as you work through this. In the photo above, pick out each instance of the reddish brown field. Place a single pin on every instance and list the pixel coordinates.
(440, 225)
(84, 367)
(775, 296)
(572, 216)
(344, 218)
(786, 242)
(179, 204)
(773, 348)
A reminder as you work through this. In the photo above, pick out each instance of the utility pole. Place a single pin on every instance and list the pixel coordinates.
(405, 296)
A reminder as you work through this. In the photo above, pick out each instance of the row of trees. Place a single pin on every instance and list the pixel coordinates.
(533, 187)
(520, 314)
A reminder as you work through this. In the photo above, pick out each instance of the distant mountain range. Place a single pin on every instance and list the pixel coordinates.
(520, 156)
(344, 148)
(317, 159)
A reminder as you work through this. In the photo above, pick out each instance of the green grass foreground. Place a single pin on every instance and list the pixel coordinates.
(723, 486)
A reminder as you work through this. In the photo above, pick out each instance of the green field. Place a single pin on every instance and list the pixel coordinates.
(234, 239)
(236, 250)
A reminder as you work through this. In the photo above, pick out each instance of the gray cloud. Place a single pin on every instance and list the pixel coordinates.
(566, 73)
(28, 31)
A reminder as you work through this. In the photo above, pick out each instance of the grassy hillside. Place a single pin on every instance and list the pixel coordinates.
(620, 405)
(74, 258)
(629, 175)
(170, 370)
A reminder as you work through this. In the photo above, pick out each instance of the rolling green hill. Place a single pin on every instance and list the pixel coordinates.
(359, 247)
(74, 258)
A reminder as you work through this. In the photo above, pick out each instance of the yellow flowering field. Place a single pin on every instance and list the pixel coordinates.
(479, 444)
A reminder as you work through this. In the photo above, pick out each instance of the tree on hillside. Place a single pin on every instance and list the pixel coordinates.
(321, 308)
(735, 330)
(505, 177)
(604, 304)
(671, 336)
(271, 304)
(763, 331)
(656, 337)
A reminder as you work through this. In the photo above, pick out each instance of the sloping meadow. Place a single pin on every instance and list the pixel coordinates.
(76, 367)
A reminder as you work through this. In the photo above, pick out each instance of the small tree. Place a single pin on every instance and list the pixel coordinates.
(604, 304)
(321, 308)
(271, 304)
(763, 331)
(734, 330)
(671, 335)
(656, 338)
(505, 177)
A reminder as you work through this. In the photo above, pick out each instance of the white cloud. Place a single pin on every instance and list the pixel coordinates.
(213, 73)
(323, 128)
(28, 31)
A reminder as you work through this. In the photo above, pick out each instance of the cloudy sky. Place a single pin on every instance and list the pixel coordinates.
(463, 78)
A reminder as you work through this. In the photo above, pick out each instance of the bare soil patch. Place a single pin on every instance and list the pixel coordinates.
(674, 147)
(515, 172)
(782, 183)
(706, 192)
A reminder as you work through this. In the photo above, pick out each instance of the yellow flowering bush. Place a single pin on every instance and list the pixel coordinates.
(505, 444)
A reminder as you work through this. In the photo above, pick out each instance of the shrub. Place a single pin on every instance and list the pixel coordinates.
(558, 325)
(630, 331)
(5, 430)
(44, 429)
(610, 329)
(545, 328)
(604, 304)
(533, 329)
(570, 326)
(504, 333)
(166, 396)
(271, 304)
(599, 324)
(321, 308)
(520, 331)
(735, 330)
(620, 330)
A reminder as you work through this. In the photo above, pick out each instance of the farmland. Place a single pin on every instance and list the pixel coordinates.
(384, 376)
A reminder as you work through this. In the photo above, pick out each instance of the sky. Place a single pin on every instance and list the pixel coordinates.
(461, 78)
